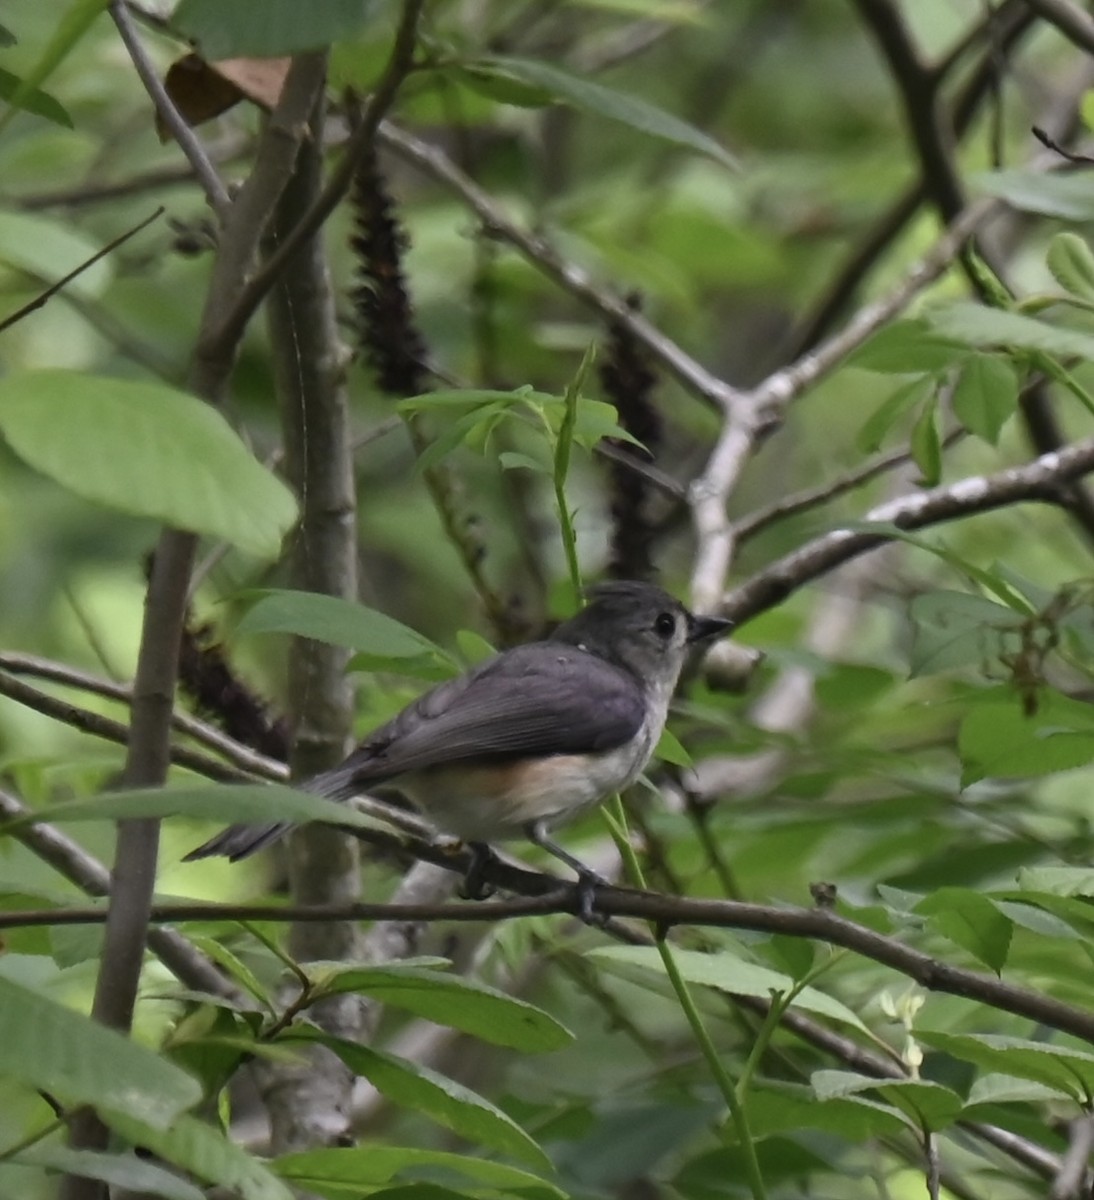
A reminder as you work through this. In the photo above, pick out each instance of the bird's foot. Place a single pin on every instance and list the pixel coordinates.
(474, 885)
(587, 883)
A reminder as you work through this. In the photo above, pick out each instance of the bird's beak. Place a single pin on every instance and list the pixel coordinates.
(704, 629)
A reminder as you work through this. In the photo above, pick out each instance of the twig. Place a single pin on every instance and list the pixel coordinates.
(1050, 143)
(1075, 24)
(1040, 480)
(399, 65)
(110, 730)
(174, 174)
(552, 895)
(783, 386)
(188, 141)
(244, 757)
(788, 506)
(74, 863)
(43, 297)
(309, 1099)
(1072, 1177)
(149, 753)
(918, 86)
(570, 277)
(1012, 21)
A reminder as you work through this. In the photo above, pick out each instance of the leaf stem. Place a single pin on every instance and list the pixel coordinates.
(31, 1139)
(616, 819)
(563, 448)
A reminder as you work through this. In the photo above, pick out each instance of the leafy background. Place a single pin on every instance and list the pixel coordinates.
(891, 772)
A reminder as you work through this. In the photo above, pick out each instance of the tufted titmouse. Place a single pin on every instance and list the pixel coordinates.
(527, 739)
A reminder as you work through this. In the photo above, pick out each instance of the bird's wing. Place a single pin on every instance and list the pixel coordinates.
(543, 698)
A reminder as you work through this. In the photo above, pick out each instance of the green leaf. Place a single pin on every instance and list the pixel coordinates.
(986, 395)
(48, 249)
(348, 1173)
(225, 802)
(339, 623)
(422, 666)
(1086, 109)
(515, 460)
(122, 1170)
(1058, 881)
(980, 326)
(928, 1104)
(674, 12)
(601, 101)
(671, 750)
(906, 347)
(448, 1103)
(1006, 1089)
(458, 399)
(788, 1108)
(449, 1000)
(233, 966)
(876, 426)
(957, 629)
(67, 34)
(505, 89)
(50, 1047)
(971, 921)
(146, 449)
(1061, 1067)
(474, 647)
(724, 971)
(1072, 264)
(268, 28)
(418, 1191)
(988, 580)
(1051, 194)
(33, 100)
(998, 739)
(927, 444)
(204, 1152)
(1036, 919)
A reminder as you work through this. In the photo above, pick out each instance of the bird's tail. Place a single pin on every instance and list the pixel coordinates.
(241, 841)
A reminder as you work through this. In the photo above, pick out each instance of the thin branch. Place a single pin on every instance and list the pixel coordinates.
(788, 506)
(248, 760)
(73, 862)
(110, 730)
(188, 141)
(44, 297)
(570, 277)
(553, 896)
(1011, 21)
(364, 136)
(783, 386)
(1072, 1178)
(751, 412)
(1039, 480)
(309, 1099)
(1075, 24)
(918, 86)
(173, 174)
(149, 750)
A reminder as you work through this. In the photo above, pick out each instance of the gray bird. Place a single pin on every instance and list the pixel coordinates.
(529, 738)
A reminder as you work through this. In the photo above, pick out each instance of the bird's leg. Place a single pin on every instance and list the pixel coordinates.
(587, 879)
(474, 886)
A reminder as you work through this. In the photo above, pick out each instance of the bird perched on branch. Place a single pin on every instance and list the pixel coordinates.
(529, 738)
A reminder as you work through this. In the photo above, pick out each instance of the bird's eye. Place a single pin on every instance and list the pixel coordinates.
(665, 625)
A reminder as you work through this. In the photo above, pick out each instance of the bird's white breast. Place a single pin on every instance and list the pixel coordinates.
(496, 801)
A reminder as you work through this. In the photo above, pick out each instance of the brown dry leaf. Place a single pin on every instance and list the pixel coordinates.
(259, 79)
(202, 90)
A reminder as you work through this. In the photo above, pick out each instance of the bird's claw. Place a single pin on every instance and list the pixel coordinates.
(474, 885)
(587, 883)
